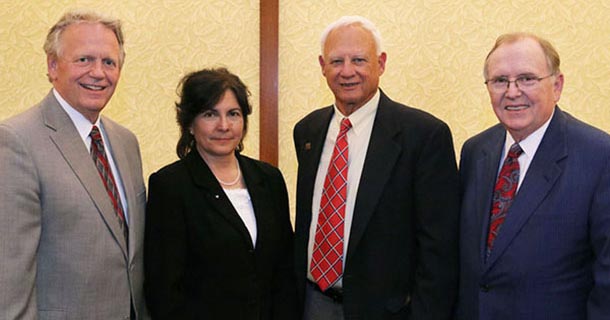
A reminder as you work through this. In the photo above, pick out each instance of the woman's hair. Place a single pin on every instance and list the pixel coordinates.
(202, 90)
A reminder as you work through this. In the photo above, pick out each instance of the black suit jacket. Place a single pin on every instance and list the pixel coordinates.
(402, 256)
(199, 259)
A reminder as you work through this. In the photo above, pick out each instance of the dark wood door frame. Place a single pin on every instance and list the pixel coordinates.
(268, 97)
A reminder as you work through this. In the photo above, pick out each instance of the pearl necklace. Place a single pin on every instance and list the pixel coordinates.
(234, 182)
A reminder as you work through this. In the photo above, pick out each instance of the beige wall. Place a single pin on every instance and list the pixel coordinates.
(436, 50)
(435, 55)
(164, 41)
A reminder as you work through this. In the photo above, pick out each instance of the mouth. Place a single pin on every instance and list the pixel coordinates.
(93, 87)
(349, 85)
(516, 107)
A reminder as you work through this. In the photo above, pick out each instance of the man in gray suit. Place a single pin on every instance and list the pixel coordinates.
(71, 228)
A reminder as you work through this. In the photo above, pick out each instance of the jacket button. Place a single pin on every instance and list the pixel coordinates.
(485, 288)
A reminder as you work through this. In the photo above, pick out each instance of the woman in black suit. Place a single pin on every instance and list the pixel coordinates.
(218, 242)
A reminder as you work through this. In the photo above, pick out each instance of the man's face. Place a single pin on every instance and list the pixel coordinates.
(523, 110)
(87, 69)
(351, 66)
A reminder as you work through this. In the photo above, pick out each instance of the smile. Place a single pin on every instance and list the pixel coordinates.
(516, 108)
(93, 87)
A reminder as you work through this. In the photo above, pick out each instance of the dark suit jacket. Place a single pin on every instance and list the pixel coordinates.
(551, 259)
(402, 255)
(199, 259)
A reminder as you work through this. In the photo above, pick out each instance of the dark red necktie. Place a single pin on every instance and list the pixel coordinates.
(504, 192)
(327, 255)
(103, 167)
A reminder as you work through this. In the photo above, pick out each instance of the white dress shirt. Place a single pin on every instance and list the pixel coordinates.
(358, 138)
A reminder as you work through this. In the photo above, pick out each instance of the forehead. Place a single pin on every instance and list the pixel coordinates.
(350, 39)
(518, 57)
(89, 34)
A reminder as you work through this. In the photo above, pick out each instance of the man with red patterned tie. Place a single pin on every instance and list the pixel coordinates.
(535, 219)
(377, 194)
(72, 196)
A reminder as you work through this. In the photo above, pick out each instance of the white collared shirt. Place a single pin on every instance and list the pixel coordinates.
(83, 126)
(358, 138)
(529, 145)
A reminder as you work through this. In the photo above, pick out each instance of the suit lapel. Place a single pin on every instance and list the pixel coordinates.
(262, 201)
(215, 195)
(379, 164)
(542, 174)
(64, 135)
(486, 175)
(309, 158)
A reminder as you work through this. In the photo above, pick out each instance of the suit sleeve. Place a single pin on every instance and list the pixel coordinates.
(20, 225)
(598, 307)
(437, 218)
(165, 251)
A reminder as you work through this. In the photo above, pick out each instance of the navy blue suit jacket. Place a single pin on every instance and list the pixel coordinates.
(551, 259)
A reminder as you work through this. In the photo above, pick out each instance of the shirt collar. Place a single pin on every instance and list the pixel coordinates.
(360, 116)
(82, 124)
(530, 144)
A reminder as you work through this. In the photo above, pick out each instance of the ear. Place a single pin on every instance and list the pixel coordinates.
(321, 62)
(381, 60)
(558, 86)
(52, 67)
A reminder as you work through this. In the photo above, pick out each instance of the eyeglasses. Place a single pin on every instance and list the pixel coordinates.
(501, 84)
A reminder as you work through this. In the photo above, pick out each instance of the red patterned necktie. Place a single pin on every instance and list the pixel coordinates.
(327, 256)
(504, 192)
(103, 167)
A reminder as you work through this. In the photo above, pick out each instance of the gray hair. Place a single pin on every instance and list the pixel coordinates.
(52, 45)
(353, 20)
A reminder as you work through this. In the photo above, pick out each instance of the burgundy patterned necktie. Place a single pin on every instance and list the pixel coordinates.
(103, 167)
(504, 192)
(327, 256)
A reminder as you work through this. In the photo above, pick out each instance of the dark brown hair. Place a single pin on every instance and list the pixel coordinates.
(200, 91)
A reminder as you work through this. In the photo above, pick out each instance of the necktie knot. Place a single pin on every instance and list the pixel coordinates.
(515, 151)
(96, 138)
(95, 133)
(345, 126)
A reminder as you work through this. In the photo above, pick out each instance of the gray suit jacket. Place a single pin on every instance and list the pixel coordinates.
(62, 253)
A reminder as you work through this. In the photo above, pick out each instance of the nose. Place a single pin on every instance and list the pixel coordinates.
(348, 69)
(223, 123)
(513, 89)
(97, 70)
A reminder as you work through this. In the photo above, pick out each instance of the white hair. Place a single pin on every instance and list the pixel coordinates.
(351, 20)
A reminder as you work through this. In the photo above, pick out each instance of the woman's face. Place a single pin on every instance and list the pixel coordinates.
(218, 131)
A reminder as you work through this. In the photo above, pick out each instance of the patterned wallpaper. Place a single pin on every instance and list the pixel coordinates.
(436, 50)
(435, 56)
(165, 39)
